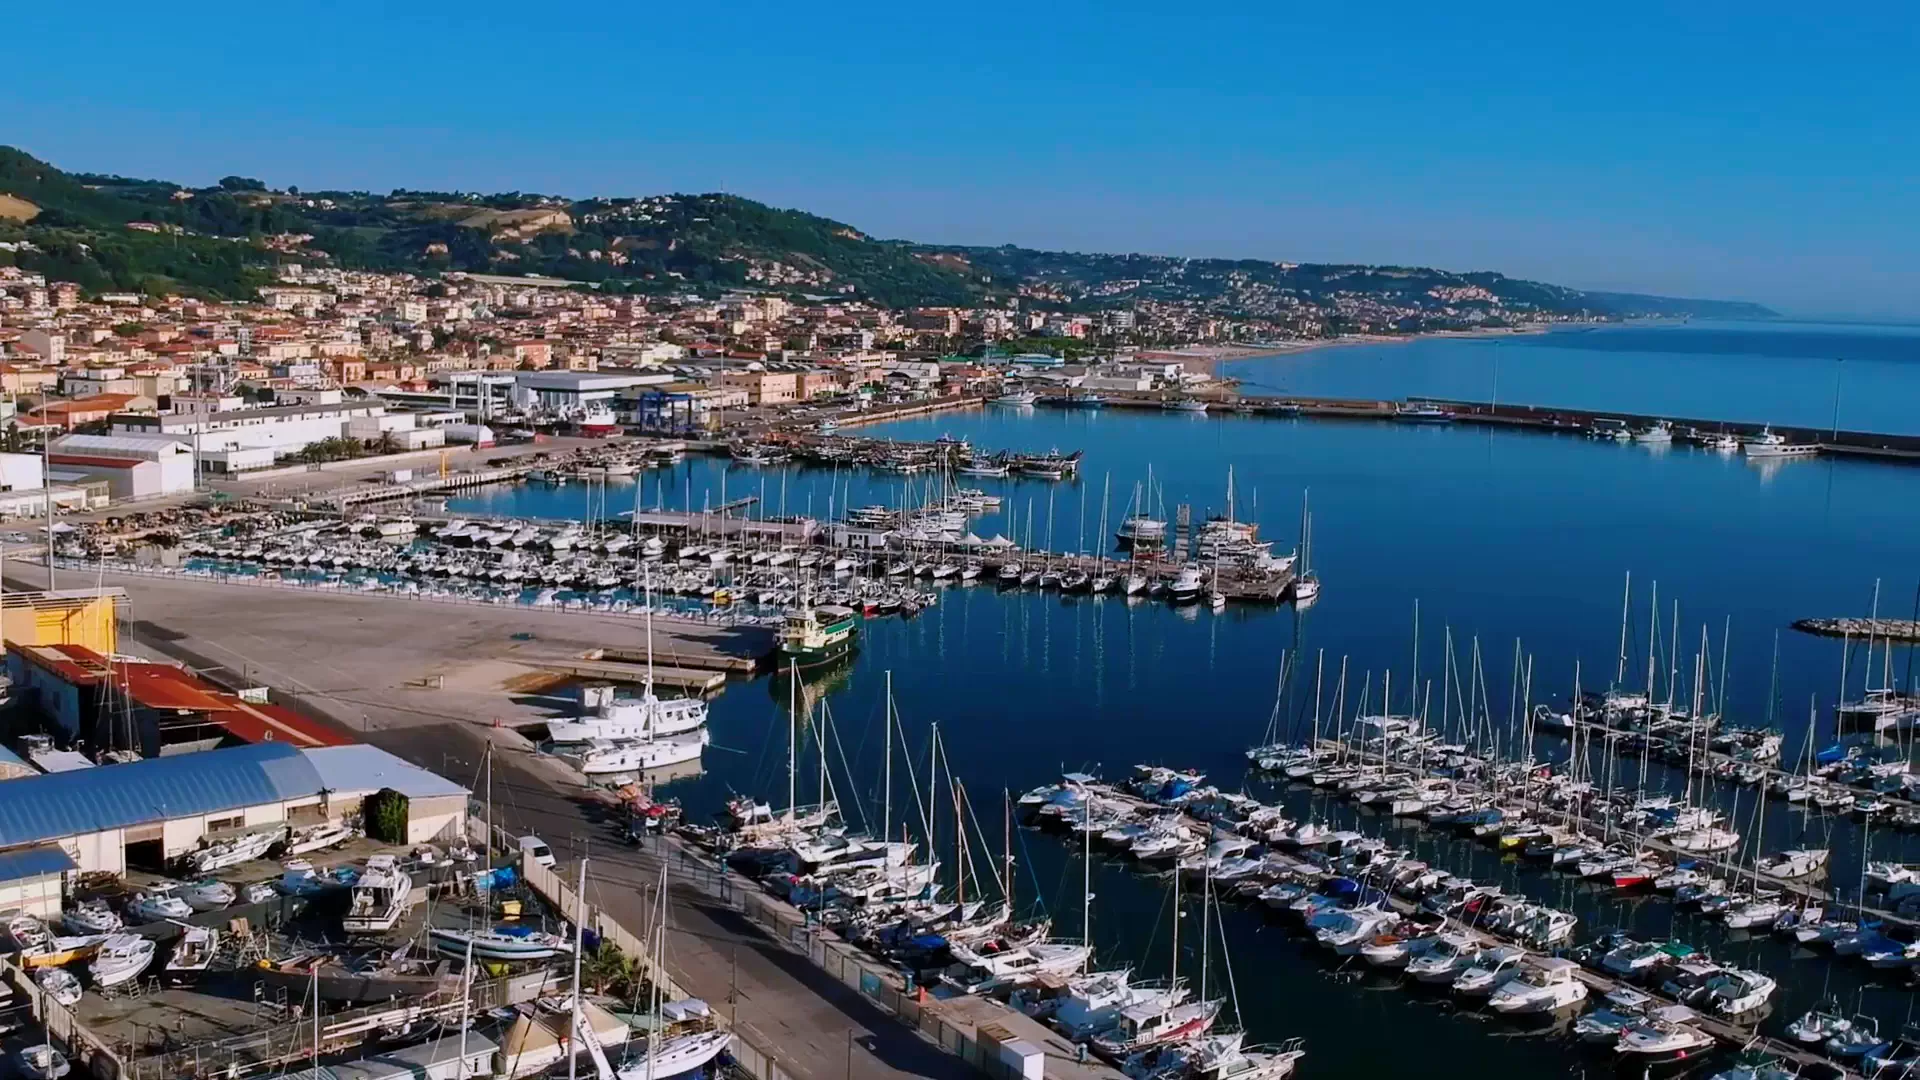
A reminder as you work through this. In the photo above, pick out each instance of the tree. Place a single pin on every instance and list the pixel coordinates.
(241, 183)
(384, 814)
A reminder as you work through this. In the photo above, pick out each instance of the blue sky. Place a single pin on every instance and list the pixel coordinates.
(1755, 151)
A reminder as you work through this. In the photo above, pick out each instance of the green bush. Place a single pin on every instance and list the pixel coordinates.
(385, 812)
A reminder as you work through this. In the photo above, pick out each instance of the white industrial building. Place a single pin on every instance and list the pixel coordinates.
(573, 393)
(135, 466)
(22, 472)
(147, 813)
(284, 429)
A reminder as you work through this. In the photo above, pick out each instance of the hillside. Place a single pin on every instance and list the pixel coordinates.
(221, 240)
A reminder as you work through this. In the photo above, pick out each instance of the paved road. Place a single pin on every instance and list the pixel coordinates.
(815, 1026)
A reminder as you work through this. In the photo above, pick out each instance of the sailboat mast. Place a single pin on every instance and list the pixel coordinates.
(886, 797)
(1174, 980)
(1626, 606)
(1086, 878)
(793, 739)
(579, 934)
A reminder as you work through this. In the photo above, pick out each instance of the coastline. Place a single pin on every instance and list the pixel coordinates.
(1230, 353)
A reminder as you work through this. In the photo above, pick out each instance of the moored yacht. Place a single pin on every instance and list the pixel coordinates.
(1550, 985)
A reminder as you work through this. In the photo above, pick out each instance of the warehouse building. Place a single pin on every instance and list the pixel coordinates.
(147, 813)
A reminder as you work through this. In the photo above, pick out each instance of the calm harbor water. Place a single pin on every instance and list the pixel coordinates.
(1762, 373)
(1496, 534)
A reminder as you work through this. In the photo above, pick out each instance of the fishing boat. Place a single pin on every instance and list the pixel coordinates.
(1659, 432)
(193, 952)
(1084, 401)
(380, 898)
(1151, 1024)
(360, 980)
(1185, 405)
(1019, 399)
(121, 957)
(59, 984)
(815, 636)
(502, 943)
(1771, 444)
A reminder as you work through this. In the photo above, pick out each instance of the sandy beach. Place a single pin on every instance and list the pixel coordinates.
(1225, 354)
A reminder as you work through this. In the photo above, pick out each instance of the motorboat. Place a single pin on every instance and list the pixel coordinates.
(1395, 950)
(502, 943)
(1347, 932)
(91, 917)
(1450, 956)
(319, 838)
(297, 878)
(208, 894)
(1185, 405)
(1551, 984)
(1771, 444)
(1663, 1035)
(193, 952)
(59, 984)
(120, 958)
(41, 1062)
(1817, 1025)
(380, 898)
(1094, 1005)
(1421, 413)
(1019, 399)
(977, 971)
(157, 905)
(1736, 992)
(1620, 1008)
(234, 850)
(258, 892)
(25, 931)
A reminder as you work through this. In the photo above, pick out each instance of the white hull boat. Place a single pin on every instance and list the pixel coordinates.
(121, 957)
(674, 1056)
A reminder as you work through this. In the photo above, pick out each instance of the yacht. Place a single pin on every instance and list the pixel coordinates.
(121, 957)
(1185, 588)
(380, 897)
(676, 1055)
(1150, 1024)
(504, 943)
(1093, 1004)
(1736, 992)
(1550, 985)
(1140, 532)
(632, 718)
(601, 756)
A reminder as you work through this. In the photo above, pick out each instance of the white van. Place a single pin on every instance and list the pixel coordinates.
(533, 849)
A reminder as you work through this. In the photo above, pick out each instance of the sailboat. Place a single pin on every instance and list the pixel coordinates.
(662, 1055)
(1306, 587)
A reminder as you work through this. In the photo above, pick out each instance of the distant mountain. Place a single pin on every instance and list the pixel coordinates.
(220, 240)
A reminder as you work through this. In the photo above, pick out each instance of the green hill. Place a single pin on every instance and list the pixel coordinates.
(213, 244)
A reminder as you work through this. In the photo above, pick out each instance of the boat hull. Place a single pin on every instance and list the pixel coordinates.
(341, 985)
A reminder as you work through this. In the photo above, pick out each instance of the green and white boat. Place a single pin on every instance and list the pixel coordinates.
(812, 636)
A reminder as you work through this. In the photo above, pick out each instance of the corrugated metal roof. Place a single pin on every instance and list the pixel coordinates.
(34, 862)
(39, 808)
(360, 767)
